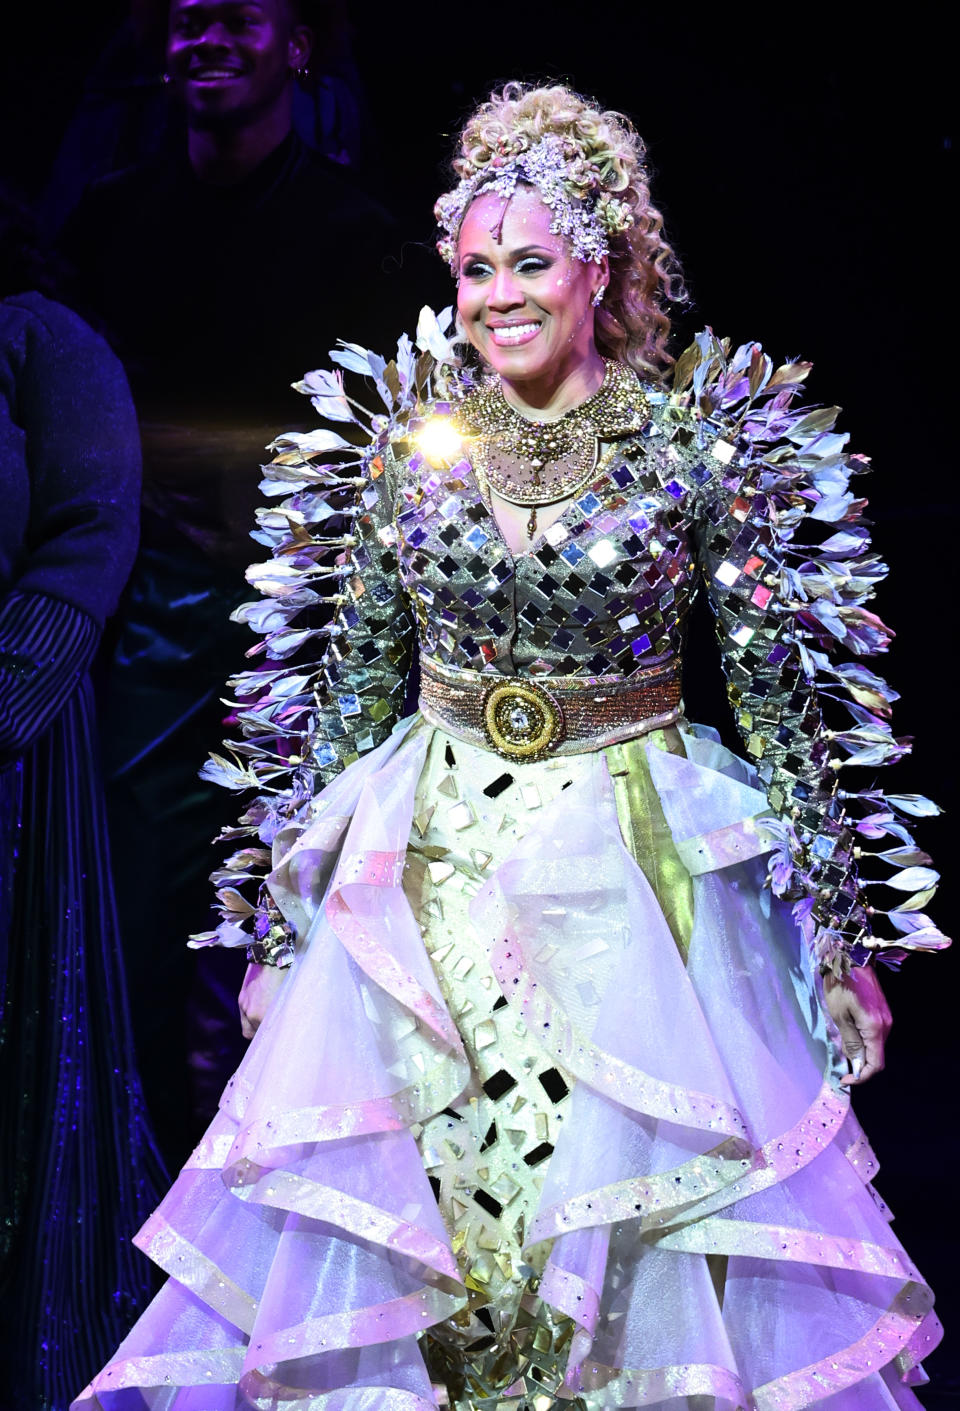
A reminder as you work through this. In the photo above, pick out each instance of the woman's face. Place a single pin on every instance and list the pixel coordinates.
(524, 301)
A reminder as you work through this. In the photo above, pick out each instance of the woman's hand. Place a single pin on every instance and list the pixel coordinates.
(261, 984)
(860, 1011)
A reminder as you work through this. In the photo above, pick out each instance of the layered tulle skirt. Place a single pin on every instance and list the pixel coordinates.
(546, 1112)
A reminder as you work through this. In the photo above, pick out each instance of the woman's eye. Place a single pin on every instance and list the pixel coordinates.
(477, 269)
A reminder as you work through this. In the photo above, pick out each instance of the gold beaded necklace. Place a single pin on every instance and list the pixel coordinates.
(512, 455)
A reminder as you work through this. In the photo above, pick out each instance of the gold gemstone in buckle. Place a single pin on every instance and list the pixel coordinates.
(521, 720)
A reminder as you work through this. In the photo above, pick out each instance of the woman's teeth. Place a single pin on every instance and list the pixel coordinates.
(515, 333)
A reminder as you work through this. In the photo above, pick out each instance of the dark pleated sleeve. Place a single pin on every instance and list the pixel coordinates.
(46, 646)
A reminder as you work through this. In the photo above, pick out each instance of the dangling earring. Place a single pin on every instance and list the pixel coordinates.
(597, 297)
(165, 78)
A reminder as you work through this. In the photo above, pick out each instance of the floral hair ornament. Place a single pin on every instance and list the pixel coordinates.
(582, 211)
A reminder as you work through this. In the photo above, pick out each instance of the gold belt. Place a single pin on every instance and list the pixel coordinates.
(524, 720)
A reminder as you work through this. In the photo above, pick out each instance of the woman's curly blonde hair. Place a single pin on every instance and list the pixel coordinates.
(606, 163)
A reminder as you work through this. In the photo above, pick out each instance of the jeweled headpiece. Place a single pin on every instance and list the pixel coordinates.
(583, 212)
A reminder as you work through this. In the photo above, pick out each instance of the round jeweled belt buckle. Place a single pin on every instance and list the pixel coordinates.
(521, 720)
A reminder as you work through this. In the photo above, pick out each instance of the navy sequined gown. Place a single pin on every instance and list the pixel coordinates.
(78, 1169)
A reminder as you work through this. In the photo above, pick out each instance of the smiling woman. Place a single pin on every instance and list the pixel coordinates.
(556, 1003)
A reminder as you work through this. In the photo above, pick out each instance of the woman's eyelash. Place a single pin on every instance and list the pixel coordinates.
(528, 266)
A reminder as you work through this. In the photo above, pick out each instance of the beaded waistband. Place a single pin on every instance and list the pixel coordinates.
(525, 720)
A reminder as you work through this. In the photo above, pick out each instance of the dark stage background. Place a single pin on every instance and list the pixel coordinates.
(805, 169)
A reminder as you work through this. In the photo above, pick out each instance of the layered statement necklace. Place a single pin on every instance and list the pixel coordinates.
(538, 463)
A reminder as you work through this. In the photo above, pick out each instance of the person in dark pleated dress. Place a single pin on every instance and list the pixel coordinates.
(78, 1166)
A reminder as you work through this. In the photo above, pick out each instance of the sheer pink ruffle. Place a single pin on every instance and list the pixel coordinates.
(304, 1245)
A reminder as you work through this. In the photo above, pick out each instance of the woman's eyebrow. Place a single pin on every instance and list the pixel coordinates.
(514, 254)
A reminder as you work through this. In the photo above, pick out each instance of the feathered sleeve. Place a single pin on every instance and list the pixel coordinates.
(334, 626)
(785, 556)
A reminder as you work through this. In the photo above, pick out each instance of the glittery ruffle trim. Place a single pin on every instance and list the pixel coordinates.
(279, 1160)
(903, 1327)
(318, 1174)
(679, 1208)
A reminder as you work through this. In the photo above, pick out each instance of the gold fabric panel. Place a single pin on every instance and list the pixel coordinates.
(645, 830)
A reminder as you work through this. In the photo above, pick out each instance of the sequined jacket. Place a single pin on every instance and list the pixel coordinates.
(604, 592)
(712, 491)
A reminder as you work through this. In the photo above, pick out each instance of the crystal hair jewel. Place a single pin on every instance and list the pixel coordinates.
(585, 219)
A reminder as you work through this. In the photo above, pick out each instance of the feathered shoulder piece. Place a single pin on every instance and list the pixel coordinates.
(785, 506)
(313, 486)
